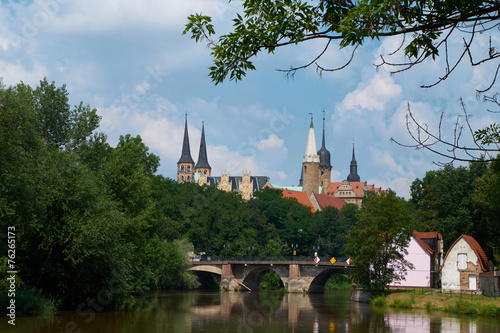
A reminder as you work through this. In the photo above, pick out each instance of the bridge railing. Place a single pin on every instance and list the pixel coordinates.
(258, 259)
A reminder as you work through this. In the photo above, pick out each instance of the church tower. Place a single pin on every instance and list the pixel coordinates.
(202, 167)
(310, 165)
(353, 175)
(325, 168)
(185, 166)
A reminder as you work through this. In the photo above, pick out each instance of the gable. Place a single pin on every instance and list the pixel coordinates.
(471, 244)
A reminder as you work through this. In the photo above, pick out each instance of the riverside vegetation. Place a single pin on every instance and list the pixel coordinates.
(95, 222)
(431, 301)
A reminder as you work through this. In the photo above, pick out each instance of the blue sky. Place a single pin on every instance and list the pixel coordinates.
(130, 60)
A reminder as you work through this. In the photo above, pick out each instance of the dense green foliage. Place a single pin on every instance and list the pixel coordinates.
(94, 222)
(461, 200)
(378, 242)
(83, 212)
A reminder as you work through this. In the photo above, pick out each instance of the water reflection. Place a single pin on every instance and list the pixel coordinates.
(252, 312)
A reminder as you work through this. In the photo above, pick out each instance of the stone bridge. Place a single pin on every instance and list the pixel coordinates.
(297, 276)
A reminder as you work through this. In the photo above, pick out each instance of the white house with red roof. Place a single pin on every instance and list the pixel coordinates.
(463, 263)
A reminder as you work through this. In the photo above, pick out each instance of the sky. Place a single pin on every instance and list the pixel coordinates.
(130, 61)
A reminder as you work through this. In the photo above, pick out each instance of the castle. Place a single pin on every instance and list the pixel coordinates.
(315, 178)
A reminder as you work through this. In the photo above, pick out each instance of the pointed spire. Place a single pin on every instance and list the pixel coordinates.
(186, 151)
(311, 154)
(202, 156)
(353, 175)
(324, 154)
(323, 141)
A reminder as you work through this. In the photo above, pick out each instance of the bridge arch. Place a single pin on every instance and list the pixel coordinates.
(255, 275)
(319, 282)
(206, 268)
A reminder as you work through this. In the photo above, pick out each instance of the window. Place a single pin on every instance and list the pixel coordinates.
(462, 261)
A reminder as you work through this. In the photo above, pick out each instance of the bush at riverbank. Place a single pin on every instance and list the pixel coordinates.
(29, 302)
(477, 305)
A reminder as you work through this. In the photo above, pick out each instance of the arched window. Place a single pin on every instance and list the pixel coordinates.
(188, 178)
(182, 168)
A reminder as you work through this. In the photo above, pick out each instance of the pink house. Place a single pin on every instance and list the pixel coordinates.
(425, 253)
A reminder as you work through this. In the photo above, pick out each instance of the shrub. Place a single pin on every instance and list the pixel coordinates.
(30, 302)
(379, 301)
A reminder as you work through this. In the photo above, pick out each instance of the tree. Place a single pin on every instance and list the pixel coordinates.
(379, 239)
(444, 202)
(425, 29)
(269, 24)
(329, 228)
(487, 198)
(81, 209)
(484, 146)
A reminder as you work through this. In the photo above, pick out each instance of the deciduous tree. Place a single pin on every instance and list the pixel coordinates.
(379, 240)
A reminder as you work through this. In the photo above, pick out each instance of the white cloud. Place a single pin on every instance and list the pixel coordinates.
(273, 141)
(335, 176)
(373, 96)
(14, 72)
(282, 176)
(96, 16)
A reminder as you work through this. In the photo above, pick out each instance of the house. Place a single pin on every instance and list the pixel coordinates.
(425, 253)
(462, 265)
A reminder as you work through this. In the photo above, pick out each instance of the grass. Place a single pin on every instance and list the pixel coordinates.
(475, 305)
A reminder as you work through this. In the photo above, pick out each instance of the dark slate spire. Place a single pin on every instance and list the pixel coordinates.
(186, 151)
(353, 175)
(202, 156)
(324, 154)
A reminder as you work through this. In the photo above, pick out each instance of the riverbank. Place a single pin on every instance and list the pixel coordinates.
(454, 303)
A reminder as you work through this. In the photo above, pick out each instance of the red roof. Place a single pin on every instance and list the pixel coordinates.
(483, 260)
(301, 197)
(357, 187)
(329, 201)
(419, 236)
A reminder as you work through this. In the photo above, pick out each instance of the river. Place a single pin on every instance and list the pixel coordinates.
(198, 311)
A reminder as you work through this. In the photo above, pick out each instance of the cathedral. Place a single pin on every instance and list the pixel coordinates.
(315, 179)
(201, 172)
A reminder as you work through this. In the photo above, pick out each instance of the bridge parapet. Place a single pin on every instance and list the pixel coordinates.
(297, 275)
(323, 260)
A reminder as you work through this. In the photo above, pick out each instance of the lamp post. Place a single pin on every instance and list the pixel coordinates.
(250, 251)
(294, 248)
(316, 249)
(226, 246)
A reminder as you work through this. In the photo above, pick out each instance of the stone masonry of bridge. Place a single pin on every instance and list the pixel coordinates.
(297, 276)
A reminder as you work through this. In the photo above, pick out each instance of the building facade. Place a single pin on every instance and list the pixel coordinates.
(201, 172)
(462, 265)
